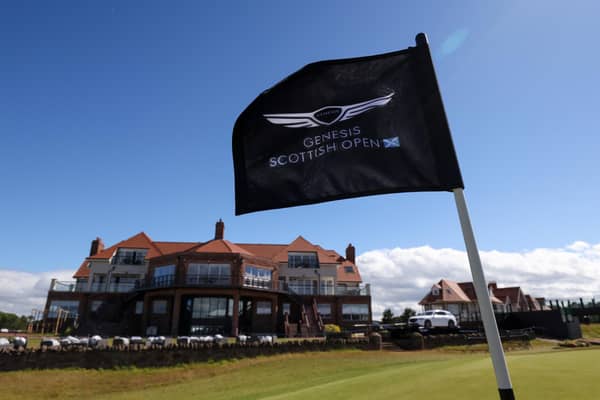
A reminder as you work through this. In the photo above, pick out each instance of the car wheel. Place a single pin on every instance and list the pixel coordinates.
(451, 324)
(427, 324)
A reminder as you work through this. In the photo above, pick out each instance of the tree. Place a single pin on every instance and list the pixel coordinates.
(408, 312)
(12, 321)
(388, 316)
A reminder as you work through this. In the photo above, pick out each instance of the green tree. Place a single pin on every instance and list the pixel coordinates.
(12, 321)
(388, 316)
(408, 312)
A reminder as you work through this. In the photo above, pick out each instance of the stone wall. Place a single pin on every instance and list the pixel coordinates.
(13, 360)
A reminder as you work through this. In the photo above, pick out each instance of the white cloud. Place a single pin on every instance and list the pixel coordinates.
(401, 277)
(20, 292)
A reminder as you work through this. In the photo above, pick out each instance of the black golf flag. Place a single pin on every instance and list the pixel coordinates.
(345, 128)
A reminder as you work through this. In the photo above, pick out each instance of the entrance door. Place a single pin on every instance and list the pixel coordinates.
(245, 315)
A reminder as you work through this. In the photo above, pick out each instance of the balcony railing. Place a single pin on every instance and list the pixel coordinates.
(303, 289)
(309, 289)
(362, 290)
(258, 283)
(207, 280)
(63, 286)
(98, 287)
(128, 260)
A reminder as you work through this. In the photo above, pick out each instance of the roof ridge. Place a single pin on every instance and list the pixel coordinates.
(151, 242)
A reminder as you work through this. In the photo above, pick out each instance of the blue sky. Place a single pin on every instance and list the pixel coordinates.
(116, 117)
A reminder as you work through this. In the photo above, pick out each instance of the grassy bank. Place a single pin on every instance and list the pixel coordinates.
(567, 374)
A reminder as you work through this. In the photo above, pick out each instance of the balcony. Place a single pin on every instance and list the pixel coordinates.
(96, 287)
(309, 289)
(129, 259)
(207, 280)
(65, 286)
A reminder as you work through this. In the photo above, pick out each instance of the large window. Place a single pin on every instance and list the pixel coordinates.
(98, 283)
(208, 274)
(258, 277)
(71, 306)
(355, 312)
(139, 307)
(327, 287)
(263, 308)
(302, 286)
(324, 309)
(159, 307)
(164, 275)
(130, 256)
(211, 307)
(95, 305)
(302, 260)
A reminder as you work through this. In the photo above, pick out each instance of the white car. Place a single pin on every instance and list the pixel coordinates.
(434, 319)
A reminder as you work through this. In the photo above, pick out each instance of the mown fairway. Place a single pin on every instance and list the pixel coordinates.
(556, 374)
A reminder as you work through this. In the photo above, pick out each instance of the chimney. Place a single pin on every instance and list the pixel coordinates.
(351, 253)
(219, 230)
(96, 247)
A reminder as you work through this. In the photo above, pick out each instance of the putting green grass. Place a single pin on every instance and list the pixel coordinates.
(556, 374)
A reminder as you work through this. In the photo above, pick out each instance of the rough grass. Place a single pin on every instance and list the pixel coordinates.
(548, 375)
(591, 331)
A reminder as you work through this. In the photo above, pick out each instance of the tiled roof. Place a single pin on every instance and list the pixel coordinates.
(343, 276)
(83, 271)
(469, 289)
(139, 241)
(175, 247)
(263, 250)
(453, 292)
(221, 246)
(302, 245)
(274, 252)
(509, 295)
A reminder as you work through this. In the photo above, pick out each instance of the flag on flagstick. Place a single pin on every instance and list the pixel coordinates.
(357, 127)
(345, 128)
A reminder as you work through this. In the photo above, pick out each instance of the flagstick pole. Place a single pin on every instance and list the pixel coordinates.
(483, 297)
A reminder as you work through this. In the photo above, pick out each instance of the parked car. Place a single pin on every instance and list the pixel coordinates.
(434, 319)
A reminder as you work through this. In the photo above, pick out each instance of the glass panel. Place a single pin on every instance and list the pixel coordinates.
(72, 306)
(211, 307)
(324, 309)
(355, 312)
(303, 260)
(263, 307)
(159, 307)
(258, 277)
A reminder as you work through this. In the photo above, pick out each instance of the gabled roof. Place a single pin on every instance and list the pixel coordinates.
(175, 247)
(83, 271)
(469, 289)
(263, 250)
(509, 295)
(221, 246)
(532, 303)
(139, 241)
(343, 276)
(302, 245)
(448, 292)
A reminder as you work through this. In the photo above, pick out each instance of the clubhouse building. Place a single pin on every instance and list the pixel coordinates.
(144, 287)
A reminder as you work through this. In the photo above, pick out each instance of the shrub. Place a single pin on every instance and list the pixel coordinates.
(332, 328)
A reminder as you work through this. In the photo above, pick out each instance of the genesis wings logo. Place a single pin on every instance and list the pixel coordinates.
(327, 115)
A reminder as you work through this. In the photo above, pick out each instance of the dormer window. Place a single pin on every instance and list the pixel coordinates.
(435, 291)
(130, 256)
(303, 260)
(349, 270)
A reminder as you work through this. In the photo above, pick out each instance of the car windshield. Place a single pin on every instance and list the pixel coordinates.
(429, 313)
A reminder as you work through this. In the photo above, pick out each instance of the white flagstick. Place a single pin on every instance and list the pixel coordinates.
(483, 297)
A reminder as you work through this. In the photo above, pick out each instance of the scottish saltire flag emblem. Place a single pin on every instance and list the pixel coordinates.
(391, 142)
